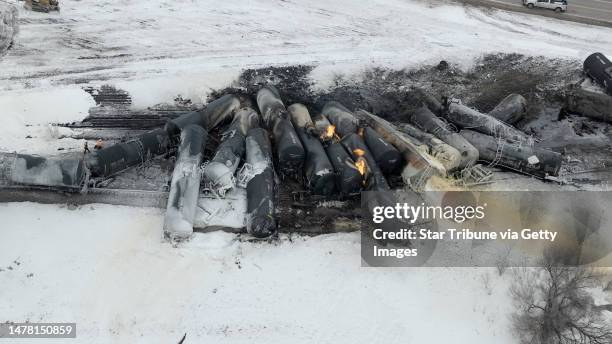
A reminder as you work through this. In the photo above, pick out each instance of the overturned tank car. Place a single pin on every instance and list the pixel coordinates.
(219, 172)
(318, 170)
(599, 68)
(116, 158)
(288, 149)
(592, 97)
(260, 217)
(66, 174)
(519, 157)
(185, 185)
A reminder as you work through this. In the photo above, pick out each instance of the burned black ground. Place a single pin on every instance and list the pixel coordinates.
(390, 93)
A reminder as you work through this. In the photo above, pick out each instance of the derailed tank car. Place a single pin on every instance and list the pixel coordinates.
(118, 157)
(341, 117)
(427, 121)
(287, 146)
(599, 68)
(260, 220)
(221, 110)
(318, 170)
(468, 118)
(185, 185)
(215, 113)
(219, 172)
(348, 178)
(375, 180)
(68, 174)
(174, 126)
(388, 158)
(511, 109)
(588, 101)
(515, 156)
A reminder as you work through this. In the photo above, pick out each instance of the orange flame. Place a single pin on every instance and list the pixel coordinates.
(360, 162)
(329, 133)
(361, 166)
(358, 152)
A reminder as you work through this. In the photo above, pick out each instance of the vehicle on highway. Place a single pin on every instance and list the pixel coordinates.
(556, 5)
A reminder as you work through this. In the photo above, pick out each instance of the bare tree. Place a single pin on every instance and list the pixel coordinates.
(503, 260)
(554, 306)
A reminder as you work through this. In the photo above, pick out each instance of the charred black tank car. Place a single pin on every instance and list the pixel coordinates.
(599, 68)
(260, 222)
(288, 148)
(116, 158)
(318, 170)
(388, 158)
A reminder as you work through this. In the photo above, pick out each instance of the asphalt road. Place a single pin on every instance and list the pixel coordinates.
(597, 12)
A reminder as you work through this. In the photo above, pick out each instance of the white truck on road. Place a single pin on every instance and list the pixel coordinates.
(556, 5)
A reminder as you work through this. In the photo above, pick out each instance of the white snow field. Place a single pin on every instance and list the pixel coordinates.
(107, 268)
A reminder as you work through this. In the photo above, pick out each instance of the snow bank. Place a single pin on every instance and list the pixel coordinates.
(107, 268)
(193, 84)
(8, 25)
(28, 113)
(179, 46)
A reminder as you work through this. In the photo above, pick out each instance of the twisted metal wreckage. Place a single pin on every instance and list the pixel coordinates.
(334, 154)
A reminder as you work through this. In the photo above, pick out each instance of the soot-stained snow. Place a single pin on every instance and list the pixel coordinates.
(390, 93)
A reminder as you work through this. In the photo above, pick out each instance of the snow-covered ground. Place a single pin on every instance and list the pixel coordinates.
(194, 44)
(158, 49)
(107, 268)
